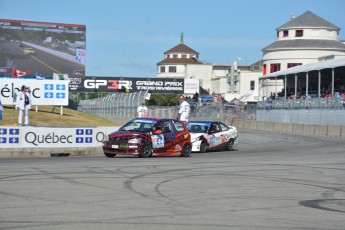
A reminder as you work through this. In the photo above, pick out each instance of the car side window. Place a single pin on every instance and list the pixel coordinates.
(166, 127)
(223, 127)
(178, 126)
(214, 128)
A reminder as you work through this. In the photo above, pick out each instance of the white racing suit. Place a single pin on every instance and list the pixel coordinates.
(184, 111)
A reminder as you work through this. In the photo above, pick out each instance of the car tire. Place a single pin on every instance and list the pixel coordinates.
(145, 150)
(186, 150)
(230, 145)
(203, 146)
(109, 155)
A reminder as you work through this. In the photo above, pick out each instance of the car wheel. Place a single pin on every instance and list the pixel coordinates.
(231, 145)
(203, 146)
(109, 155)
(186, 150)
(145, 150)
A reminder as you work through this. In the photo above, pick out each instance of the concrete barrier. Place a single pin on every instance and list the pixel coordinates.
(287, 128)
(270, 126)
(334, 131)
(261, 125)
(321, 130)
(278, 127)
(297, 129)
(309, 130)
(294, 129)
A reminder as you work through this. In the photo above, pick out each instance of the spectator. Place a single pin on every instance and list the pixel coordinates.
(184, 111)
(142, 111)
(337, 95)
(196, 97)
(23, 102)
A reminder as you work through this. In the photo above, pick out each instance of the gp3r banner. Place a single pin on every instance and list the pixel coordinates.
(114, 84)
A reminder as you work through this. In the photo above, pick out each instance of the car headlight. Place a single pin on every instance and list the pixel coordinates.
(134, 141)
(195, 139)
(106, 138)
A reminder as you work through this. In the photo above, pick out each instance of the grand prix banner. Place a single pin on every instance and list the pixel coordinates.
(117, 84)
(43, 92)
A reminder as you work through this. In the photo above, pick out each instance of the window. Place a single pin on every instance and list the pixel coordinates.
(184, 55)
(264, 70)
(285, 33)
(299, 33)
(175, 56)
(252, 85)
(224, 127)
(172, 69)
(162, 69)
(274, 67)
(289, 65)
(178, 126)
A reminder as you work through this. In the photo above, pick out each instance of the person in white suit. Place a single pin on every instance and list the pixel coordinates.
(23, 102)
(184, 111)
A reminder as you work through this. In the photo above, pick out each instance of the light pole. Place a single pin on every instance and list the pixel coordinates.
(233, 74)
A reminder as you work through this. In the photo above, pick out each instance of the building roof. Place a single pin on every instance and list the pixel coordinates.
(329, 64)
(305, 44)
(179, 61)
(308, 20)
(181, 48)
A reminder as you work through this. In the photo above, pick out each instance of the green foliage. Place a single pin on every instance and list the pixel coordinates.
(163, 100)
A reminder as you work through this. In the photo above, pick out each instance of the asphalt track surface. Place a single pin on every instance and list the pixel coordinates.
(272, 181)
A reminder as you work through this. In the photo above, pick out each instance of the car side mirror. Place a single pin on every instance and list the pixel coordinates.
(158, 132)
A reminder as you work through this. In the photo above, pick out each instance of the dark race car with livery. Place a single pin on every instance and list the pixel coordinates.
(212, 135)
(146, 137)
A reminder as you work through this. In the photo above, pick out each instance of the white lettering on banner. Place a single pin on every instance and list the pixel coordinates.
(40, 137)
(173, 83)
(126, 84)
(149, 83)
(94, 84)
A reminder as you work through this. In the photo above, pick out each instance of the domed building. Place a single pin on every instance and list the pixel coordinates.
(305, 39)
(301, 41)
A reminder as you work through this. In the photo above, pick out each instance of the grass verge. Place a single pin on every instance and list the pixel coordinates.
(50, 116)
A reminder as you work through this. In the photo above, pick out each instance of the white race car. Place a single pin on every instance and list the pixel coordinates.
(212, 135)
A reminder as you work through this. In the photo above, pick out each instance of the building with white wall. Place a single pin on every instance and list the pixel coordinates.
(182, 61)
(302, 40)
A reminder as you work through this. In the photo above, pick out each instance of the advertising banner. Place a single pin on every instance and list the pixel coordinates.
(43, 92)
(191, 86)
(117, 84)
(59, 137)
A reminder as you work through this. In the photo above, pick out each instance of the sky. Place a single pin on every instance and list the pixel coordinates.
(127, 38)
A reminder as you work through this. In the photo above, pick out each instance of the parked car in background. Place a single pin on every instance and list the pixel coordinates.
(207, 98)
(212, 135)
(146, 137)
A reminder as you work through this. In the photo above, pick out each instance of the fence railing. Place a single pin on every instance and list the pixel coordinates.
(300, 111)
(119, 105)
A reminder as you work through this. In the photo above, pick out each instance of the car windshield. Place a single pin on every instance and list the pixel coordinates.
(139, 125)
(198, 127)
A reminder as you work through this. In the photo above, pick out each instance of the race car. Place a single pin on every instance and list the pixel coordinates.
(212, 135)
(146, 137)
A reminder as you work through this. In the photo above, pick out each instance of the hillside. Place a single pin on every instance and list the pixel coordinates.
(50, 116)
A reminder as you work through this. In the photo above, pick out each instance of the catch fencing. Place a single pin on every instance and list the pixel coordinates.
(124, 105)
(323, 111)
(117, 105)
